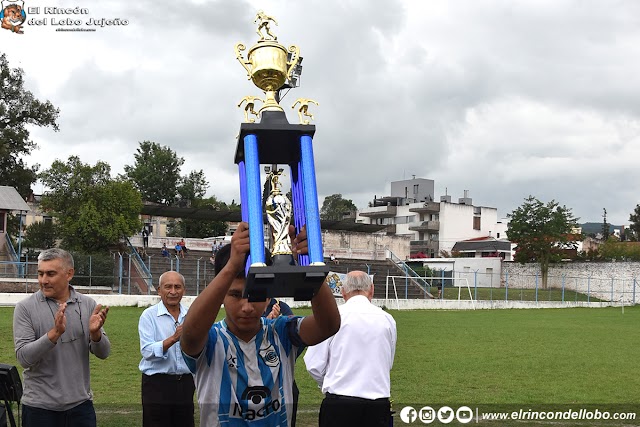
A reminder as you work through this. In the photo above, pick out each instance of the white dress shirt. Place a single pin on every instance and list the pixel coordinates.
(357, 360)
(155, 325)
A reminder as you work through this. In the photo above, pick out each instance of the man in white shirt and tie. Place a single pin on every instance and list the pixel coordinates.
(352, 367)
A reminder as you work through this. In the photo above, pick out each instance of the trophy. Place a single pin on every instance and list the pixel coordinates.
(274, 141)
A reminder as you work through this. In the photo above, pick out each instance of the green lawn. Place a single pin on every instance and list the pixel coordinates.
(487, 357)
(513, 294)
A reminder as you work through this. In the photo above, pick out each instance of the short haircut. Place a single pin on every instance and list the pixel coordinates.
(170, 271)
(356, 281)
(223, 255)
(57, 253)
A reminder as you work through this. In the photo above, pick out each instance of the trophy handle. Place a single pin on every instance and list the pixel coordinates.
(295, 58)
(239, 48)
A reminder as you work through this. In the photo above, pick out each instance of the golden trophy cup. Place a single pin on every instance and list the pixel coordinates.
(268, 63)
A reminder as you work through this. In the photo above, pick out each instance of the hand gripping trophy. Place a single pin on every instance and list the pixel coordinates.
(274, 141)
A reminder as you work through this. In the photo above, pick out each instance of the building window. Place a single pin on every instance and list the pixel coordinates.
(497, 235)
(415, 189)
(476, 223)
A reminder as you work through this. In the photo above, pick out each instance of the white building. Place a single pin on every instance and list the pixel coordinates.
(433, 226)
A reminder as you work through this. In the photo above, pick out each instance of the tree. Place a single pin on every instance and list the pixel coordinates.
(541, 232)
(634, 219)
(41, 235)
(198, 227)
(93, 210)
(335, 207)
(156, 173)
(18, 109)
(193, 186)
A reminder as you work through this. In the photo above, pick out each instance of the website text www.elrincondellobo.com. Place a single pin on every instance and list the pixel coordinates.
(466, 414)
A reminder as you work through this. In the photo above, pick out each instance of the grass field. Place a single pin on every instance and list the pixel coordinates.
(512, 294)
(491, 358)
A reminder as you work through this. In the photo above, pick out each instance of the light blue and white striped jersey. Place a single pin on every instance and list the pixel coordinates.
(248, 383)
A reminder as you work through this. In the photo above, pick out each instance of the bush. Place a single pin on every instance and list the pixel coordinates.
(94, 270)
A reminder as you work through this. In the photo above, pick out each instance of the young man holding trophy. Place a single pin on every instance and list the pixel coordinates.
(244, 364)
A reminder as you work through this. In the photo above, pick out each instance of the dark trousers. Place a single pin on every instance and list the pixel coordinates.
(167, 400)
(83, 415)
(346, 411)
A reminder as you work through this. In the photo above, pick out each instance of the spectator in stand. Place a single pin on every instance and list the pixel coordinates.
(184, 247)
(165, 251)
(333, 259)
(145, 237)
(179, 251)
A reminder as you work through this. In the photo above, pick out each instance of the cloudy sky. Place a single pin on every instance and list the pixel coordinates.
(502, 98)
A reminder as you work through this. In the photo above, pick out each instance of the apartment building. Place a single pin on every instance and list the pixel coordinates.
(434, 226)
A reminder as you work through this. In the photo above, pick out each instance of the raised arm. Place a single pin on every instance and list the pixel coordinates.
(31, 349)
(325, 320)
(204, 309)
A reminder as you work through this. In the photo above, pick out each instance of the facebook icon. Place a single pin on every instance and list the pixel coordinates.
(408, 414)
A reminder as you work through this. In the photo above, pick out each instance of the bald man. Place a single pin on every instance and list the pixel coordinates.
(356, 393)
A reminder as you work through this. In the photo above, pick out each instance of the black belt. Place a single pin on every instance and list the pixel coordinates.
(174, 377)
(353, 398)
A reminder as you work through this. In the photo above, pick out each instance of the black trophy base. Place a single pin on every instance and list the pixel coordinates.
(284, 280)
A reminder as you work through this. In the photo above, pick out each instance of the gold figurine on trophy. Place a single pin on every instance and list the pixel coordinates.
(248, 108)
(262, 20)
(278, 209)
(269, 64)
(303, 111)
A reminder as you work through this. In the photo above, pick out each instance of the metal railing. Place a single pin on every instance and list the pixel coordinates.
(13, 255)
(10, 249)
(410, 274)
(143, 270)
(528, 287)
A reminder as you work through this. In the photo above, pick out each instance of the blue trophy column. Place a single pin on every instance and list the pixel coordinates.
(299, 218)
(253, 207)
(312, 213)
